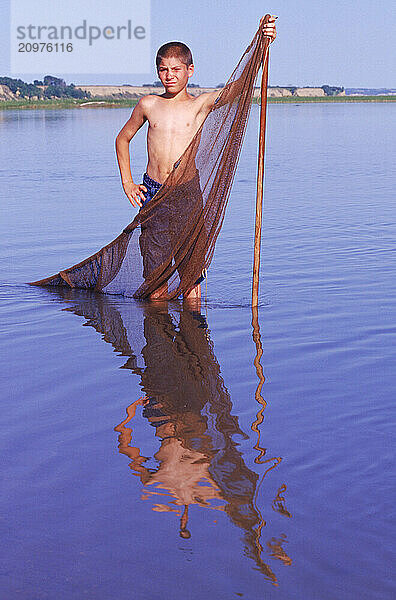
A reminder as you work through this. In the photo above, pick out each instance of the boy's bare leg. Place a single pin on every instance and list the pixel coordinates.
(194, 294)
(193, 298)
(161, 293)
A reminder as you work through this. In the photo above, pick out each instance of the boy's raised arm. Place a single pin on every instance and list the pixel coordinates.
(234, 88)
(137, 119)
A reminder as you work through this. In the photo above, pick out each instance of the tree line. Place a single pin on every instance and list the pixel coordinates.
(54, 88)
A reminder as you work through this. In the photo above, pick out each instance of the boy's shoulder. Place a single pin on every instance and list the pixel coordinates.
(149, 100)
(147, 104)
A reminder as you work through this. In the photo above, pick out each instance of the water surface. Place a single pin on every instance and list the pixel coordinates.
(140, 459)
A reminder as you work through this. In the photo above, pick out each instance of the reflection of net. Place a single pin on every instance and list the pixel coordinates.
(192, 202)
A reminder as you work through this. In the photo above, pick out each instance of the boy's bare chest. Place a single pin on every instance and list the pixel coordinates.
(177, 120)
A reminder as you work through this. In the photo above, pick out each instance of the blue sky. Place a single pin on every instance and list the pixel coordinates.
(347, 43)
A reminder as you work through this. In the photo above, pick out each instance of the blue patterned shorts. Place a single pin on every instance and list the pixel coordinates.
(152, 188)
(154, 239)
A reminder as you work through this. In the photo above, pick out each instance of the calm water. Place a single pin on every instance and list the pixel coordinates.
(139, 458)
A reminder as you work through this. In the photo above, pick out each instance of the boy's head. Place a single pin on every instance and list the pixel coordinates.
(175, 50)
(174, 65)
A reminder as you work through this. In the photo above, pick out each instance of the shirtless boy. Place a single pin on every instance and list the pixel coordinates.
(173, 119)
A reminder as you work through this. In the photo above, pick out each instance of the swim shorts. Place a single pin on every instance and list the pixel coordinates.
(157, 235)
(152, 188)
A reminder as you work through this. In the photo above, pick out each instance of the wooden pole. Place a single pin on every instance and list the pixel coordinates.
(260, 171)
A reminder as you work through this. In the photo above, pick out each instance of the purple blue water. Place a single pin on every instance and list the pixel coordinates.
(140, 459)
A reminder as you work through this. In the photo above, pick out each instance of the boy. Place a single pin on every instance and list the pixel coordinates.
(173, 119)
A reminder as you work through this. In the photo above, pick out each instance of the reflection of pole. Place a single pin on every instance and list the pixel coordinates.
(260, 171)
(256, 428)
(260, 375)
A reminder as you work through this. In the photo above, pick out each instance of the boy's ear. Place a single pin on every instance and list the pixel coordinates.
(190, 70)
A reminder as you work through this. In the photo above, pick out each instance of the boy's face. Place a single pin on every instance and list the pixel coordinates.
(174, 74)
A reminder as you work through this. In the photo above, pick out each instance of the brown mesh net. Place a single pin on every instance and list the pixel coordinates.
(176, 231)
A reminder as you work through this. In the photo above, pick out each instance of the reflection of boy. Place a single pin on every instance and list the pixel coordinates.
(198, 462)
(173, 119)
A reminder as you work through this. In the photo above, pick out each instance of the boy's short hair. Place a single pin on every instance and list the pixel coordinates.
(177, 50)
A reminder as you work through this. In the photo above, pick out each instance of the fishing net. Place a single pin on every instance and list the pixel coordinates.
(176, 231)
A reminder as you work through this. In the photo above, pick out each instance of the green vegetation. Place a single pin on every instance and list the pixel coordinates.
(65, 103)
(332, 90)
(27, 90)
(100, 102)
(54, 88)
(53, 92)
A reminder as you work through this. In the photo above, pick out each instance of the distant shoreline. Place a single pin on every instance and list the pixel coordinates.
(123, 103)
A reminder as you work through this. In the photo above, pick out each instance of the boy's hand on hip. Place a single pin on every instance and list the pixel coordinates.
(134, 192)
